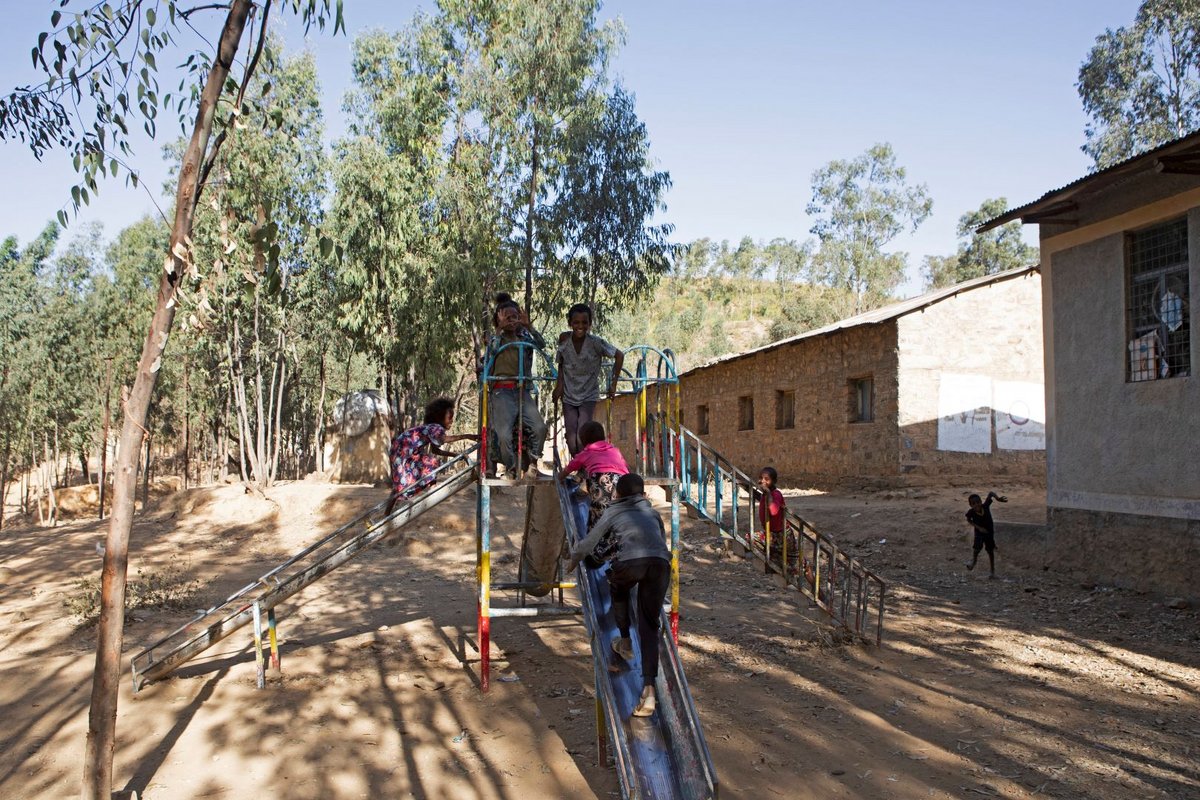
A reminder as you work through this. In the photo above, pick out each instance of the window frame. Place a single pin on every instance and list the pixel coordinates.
(1171, 349)
(785, 421)
(855, 400)
(746, 420)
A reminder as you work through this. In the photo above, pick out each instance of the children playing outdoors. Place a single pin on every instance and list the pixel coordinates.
(511, 400)
(639, 558)
(413, 454)
(771, 506)
(602, 464)
(578, 358)
(980, 516)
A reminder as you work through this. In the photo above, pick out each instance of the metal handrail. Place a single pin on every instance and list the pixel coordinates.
(236, 607)
(838, 583)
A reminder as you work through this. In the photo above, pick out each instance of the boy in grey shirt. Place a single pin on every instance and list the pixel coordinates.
(630, 535)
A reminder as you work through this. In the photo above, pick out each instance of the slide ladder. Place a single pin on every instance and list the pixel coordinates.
(661, 756)
(801, 556)
(250, 603)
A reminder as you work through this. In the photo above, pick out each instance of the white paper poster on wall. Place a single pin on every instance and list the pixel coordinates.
(1020, 415)
(965, 413)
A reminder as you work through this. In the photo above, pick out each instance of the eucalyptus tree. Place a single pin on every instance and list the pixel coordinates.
(256, 233)
(981, 254)
(602, 246)
(530, 66)
(1140, 84)
(101, 77)
(23, 299)
(860, 205)
(486, 148)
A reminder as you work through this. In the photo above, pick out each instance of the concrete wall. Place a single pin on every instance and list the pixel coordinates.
(1123, 489)
(1129, 550)
(1117, 446)
(993, 332)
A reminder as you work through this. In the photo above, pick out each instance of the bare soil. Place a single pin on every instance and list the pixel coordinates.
(1030, 685)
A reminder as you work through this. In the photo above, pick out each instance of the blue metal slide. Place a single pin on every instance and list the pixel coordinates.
(661, 756)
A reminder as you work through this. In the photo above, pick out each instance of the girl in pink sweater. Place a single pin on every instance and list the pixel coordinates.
(602, 463)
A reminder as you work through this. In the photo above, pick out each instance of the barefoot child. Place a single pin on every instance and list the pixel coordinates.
(640, 559)
(980, 517)
(602, 464)
(510, 404)
(579, 355)
(413, 454)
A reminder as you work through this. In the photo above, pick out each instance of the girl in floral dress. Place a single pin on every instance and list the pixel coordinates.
(414, 452)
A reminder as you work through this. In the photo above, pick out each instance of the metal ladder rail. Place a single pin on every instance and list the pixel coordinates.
(242, 607)
(839, 583)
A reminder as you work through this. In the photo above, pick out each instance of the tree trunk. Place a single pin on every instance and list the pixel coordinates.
(187, 433)
(3, 482)
(146, 477)
(319, 434)
(533, 178)
(102, 714)
(104, 436)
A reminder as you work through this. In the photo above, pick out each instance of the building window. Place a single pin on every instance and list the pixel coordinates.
(702, 420)
(746, 413)
(1158, 303)
(624, 423)
(785, 410)
(862, 399)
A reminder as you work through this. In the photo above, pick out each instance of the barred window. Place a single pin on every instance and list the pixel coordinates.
(1159, 303)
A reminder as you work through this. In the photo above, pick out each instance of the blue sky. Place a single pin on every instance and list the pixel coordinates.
(745, 100)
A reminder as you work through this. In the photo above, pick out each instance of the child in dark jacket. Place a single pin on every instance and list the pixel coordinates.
(639, 558)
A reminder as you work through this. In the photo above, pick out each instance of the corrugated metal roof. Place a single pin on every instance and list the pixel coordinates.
(1097, 180)
(875, 316)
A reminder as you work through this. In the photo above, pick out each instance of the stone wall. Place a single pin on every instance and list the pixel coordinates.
(823, 444)
(359, 459)
(994, 333)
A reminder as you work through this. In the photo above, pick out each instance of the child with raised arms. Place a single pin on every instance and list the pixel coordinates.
(578, 386)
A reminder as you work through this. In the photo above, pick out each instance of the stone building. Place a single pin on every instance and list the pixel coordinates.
(1120, 249)
(942, 387)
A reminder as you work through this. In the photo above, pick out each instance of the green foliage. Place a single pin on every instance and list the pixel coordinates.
(980, 254)
(102, 79)
(1140, 85)
(860, 206)
(608, 193)
(717, 301)
(485, 147)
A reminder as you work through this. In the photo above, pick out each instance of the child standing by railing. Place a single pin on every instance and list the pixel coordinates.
(771, 523)
(511, 399)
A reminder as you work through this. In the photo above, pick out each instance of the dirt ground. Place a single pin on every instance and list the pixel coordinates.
(1031, 685)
